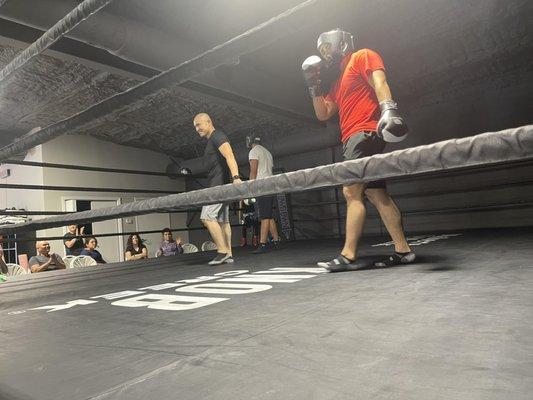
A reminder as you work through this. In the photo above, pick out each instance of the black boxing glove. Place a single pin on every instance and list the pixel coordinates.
(311, 68)
(391, 127)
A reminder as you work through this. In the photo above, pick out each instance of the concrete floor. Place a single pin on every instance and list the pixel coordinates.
(458, 324)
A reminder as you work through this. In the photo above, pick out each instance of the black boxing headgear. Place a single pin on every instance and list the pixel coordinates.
(341, 43)
(251, 140)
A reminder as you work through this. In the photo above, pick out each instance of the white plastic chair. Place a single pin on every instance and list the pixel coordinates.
(68, 260)
(189, 248)
(208, 246)
(82, 261)
(15, 269)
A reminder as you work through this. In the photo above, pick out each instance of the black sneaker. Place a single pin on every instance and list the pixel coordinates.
(396, 259)
(261, 249)
(338, 264)
(221, 258)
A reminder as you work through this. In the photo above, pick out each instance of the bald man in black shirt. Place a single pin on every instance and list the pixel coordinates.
(222, 169)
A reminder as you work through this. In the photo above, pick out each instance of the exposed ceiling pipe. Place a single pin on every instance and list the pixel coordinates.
(130, 40)
(127, 39)
(143, 45)
(60, 28)
(261, 35)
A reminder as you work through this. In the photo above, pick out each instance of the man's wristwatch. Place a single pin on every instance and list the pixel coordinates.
(236, 177)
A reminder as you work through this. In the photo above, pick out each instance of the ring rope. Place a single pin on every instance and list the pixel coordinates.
(483, 149)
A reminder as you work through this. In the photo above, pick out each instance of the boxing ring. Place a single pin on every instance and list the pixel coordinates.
(455, 325)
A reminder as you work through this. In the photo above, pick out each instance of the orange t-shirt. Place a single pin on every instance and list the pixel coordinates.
(355, 98)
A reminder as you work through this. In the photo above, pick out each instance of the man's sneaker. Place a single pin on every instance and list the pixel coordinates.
(221, 258)
(229, 260)
(396, 259)
(261, 249)
(338, 264)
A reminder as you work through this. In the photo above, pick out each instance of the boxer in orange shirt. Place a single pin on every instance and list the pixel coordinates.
(369, 118)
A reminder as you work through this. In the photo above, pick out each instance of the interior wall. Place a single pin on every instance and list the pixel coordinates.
(19, 198)
(470, 114)
(25, 199)
(82, 150)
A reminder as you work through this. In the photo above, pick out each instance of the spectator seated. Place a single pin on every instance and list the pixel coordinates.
(168, 246)
(90, 250)
(44, 260)
(135, 248)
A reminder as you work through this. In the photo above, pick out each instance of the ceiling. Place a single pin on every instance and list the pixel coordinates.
(435, 52)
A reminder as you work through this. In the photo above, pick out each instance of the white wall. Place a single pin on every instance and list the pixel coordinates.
(18, 198)
(84, 150)
(21, 198)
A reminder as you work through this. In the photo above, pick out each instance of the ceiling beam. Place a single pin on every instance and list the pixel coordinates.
(229, 52)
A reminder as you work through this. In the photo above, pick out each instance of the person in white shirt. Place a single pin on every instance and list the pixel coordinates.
(261, 164)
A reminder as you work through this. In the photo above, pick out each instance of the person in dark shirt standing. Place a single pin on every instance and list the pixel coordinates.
(72, 240)
(221, 165)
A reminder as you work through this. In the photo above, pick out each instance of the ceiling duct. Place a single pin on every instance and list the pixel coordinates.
(130, 40)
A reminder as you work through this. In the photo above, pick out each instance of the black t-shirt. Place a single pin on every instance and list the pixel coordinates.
(218, 171)
(94, 254)
(78, 246)
(134, 252)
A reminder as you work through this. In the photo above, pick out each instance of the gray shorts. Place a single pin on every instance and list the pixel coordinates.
(215, 212)
(364, 144)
